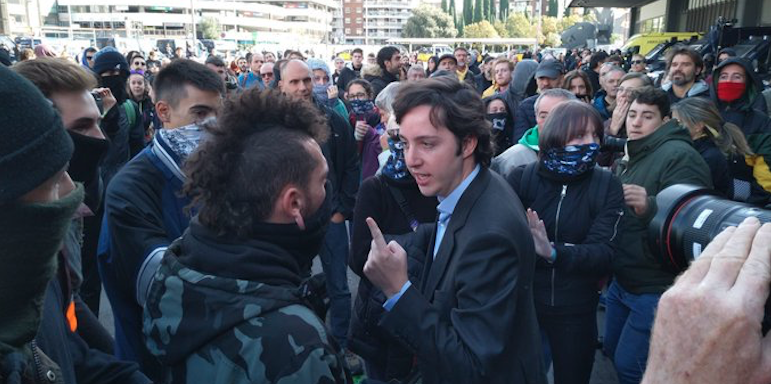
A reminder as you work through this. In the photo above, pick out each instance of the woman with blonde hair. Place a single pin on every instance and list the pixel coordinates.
(723, 147)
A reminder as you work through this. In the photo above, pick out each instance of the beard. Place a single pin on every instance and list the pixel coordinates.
(680, 78)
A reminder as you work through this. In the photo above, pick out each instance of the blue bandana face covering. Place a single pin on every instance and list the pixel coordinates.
(572, 160)
(362, 107)
(395, 167)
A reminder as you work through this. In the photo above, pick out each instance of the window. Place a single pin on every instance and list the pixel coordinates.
(358, 20)
(347, 10)
(358, 10)
(348, 31)
(358, 31)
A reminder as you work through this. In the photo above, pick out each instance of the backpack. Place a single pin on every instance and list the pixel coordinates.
(131, 111)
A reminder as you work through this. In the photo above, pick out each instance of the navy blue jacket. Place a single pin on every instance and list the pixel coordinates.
(143, 214)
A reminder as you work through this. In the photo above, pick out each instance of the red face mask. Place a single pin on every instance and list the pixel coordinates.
(730, 91)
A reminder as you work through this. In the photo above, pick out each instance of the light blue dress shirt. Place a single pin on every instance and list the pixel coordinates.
(445, 208)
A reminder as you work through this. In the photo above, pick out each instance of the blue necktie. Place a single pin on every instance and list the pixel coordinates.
(441, 226)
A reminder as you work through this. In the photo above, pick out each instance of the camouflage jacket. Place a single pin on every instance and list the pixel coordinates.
(215, 329)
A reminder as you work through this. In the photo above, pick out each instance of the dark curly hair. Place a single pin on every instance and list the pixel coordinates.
(256, 148)
(454, 105)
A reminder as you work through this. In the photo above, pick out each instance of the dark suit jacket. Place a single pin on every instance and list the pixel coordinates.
(471, 318)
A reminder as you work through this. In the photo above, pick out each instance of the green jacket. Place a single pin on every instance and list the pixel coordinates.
(657, 161)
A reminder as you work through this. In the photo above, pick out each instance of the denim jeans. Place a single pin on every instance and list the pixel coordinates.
(334, 261)
(628, 323)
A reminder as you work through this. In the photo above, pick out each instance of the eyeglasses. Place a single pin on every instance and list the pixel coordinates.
(637, 61)
(358, 96)
(266, 75)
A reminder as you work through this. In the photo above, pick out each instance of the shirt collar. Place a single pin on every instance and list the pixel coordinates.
(447, 204)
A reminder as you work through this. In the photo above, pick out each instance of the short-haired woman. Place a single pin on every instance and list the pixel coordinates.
(574, 211)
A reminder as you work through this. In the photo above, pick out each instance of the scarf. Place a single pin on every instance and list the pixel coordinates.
(572, 160)
(30, 237)
(395, 168)
(183, 141)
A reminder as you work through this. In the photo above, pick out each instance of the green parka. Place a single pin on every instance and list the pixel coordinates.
(655, 162)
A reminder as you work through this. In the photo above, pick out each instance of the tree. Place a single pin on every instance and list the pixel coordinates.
(478, 10)
(503, 10)
(518, 25)
(468, 12)
(210, 28)
(482, 29)
(500, 27)
(429, 22)
(491, 14)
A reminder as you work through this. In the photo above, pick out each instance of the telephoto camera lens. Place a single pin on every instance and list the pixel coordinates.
(688, 218)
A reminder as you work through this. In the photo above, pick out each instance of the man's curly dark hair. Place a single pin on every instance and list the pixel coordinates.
(256, 148)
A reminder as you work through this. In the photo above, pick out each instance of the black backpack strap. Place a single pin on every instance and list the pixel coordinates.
(404, 206)
(598, 189)
(528, 184)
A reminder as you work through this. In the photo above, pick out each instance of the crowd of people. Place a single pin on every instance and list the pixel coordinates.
(489, 205)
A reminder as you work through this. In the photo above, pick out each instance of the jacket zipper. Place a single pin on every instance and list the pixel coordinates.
(615, 226)
(38, 364)
(556, 234)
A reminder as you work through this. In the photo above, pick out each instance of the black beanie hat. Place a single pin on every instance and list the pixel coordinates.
(34, 144)
(107, 60)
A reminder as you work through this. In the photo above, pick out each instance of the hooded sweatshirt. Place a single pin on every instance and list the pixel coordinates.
(755, 124)
(700, 88)
(228, 311)
(522, 153)
(657, 161)
(320, 91)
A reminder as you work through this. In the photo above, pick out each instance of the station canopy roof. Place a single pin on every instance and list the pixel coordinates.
(609, 3)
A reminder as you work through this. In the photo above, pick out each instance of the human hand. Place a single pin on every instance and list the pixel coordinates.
(386, 265)
(619, 116)
(332, 92)
(708, 324)
(361, 130)
(543, 247)
(337, 218)
(108, 100)
(636, 197)
(384, 141)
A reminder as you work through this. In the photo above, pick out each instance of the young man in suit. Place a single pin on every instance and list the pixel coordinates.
(469, 317)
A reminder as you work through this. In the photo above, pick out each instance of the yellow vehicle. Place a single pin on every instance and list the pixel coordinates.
(435, 50)
(345, 55)
(644, 43)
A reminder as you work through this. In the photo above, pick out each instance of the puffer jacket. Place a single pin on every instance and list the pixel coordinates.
(378, 77)
(584, 252)
(663, 158)
(228, 311)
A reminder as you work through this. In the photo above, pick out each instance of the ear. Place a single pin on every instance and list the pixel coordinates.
(290, 205)
(469, 146)
(164, 111)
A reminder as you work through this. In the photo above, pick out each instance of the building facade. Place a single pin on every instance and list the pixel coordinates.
(372, 22)
(300, 21)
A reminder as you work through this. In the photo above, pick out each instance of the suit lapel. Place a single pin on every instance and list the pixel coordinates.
(436, 269)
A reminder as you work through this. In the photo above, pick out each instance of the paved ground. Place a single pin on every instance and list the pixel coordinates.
(602, 373)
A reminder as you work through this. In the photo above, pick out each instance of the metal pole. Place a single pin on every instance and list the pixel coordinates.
(69, 13)
(192, 20)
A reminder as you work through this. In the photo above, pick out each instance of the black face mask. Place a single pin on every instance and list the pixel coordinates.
(117, 85)
(303, 244)
(499, 120)
(84, 165)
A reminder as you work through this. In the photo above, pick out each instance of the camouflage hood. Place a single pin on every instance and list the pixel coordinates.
(206, 286)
